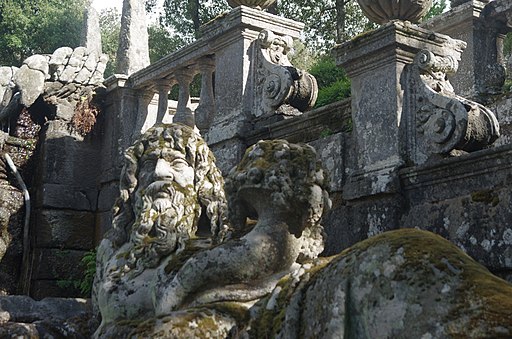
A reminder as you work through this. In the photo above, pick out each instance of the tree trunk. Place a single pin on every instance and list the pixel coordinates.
(193, 9)
(341, 14)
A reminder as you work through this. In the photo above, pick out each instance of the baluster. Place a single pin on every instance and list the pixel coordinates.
(144, 121)
(206, 109)
(184, 114)
(163, 86)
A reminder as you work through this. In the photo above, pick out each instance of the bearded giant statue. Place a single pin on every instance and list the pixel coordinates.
(262, 276)
(168, 184)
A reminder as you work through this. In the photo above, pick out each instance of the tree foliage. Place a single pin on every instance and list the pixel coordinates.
(38, 26)
(184, 17)
(333, 83)
(438, 7)
(110, 26)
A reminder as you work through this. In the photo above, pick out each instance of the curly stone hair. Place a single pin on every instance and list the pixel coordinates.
(208, 188)
(291, 174)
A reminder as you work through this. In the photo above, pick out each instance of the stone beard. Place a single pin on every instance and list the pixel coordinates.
(169, 175)
(157, 231)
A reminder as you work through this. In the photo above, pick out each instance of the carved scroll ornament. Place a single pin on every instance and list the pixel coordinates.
(444, 121)
(277, 81)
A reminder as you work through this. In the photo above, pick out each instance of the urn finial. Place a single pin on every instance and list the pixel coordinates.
(260, 4)
(382, 11)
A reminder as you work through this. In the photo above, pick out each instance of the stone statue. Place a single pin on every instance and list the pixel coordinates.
(265, 279)
(169, 177)
(285, 186)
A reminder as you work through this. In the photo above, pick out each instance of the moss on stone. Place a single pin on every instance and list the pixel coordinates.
(485, 196)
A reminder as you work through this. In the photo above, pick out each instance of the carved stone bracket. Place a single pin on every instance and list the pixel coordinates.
(277, 81)
(442, 121)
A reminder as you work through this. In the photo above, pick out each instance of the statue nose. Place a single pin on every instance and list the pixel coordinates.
(163, 169)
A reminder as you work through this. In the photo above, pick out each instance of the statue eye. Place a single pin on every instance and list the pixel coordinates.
(179, 162)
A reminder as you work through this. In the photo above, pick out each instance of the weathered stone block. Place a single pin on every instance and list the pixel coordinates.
(25, 309)
(64, 196)
(31, 84)
(66, 159)
(65, 229)
(53, 288)
(330, 152)
(56, 264)
(107, 196)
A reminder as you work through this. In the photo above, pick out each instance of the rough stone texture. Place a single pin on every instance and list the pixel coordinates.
(69, 229)
(400, 284)
(471, 207)
(502, 107)
(91, 33)
(6, 85)
(328, 148)
(133, 50)
(48, 318)
(58, 264)
(31, 84)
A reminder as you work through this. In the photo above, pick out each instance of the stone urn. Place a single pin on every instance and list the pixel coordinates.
(382, 11)
(260, 4)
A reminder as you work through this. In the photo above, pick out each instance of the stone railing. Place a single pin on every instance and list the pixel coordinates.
(483, 25)
(246, 77)
(179, 69)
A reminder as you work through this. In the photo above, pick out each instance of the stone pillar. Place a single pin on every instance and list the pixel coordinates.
(482, 25)
(184, 114)
(133, 51)
(205, 111)
(233, 40)
(375, 64)
(144, 118)
(91, 33)
(163, 86)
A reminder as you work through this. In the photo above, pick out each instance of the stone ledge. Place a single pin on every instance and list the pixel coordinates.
(452, 177)
(22, 308)
(309, 126)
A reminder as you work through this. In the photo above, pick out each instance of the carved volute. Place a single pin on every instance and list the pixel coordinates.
(278, 82)
(443, 121)
(382, 11)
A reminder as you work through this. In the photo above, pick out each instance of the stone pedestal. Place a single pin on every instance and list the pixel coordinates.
(233, 38)
(482, 25)
(375, 62)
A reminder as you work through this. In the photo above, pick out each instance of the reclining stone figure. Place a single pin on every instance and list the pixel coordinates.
(285, 185)
(267, 281)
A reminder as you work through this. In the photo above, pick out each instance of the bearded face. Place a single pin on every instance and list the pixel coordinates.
(165, 205)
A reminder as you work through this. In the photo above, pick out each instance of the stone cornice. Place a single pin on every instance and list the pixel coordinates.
(240, 23)
(454, 171)
(309, 126)
(395, 41)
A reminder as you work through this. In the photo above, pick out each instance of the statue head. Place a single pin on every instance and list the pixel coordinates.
(168, 179)
(292, 177)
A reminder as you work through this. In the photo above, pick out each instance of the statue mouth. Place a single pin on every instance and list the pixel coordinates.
(160, 189)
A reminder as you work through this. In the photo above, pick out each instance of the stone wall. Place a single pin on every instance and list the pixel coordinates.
(465, 199)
